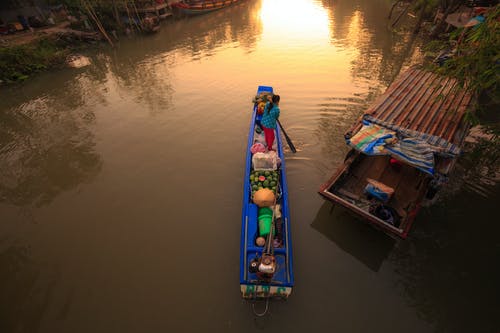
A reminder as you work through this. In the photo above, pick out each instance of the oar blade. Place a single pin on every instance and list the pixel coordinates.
(287, 138)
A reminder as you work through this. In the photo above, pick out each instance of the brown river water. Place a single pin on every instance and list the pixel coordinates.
(121, 185)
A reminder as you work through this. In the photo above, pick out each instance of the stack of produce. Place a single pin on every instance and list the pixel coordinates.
(264, 179)
(264, 198)
(262, 97)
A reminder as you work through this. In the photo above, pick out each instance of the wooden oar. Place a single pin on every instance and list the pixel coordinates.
(290, 143)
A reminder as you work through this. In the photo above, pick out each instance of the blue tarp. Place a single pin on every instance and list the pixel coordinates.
(377, 137)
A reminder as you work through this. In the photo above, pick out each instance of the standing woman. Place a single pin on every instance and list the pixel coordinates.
(268, 121)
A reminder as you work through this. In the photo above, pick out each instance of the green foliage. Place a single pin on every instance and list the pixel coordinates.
(476, 61)
(475, 64)
(19, 62)
(484, 155)
(429, 5)
(102, 4)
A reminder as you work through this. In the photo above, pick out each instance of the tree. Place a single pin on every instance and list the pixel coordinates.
(476, 62)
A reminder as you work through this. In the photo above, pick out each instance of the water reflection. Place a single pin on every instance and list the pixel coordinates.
(144, 67)
(47, 145)
(356, 238)
(24, 303)
(336, 117)
(293, 25)
(376, 56)
(362, 26)
(447, 269)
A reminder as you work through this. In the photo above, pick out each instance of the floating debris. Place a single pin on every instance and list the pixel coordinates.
(78, 61)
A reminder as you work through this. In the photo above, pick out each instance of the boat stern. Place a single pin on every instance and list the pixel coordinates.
(252, 291)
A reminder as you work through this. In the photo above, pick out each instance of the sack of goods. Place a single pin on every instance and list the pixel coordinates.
(257, 148)
(260, 107)
(262, 97)
(264, 197)
(265, 161)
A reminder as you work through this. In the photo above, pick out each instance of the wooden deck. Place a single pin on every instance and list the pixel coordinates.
(409, 184)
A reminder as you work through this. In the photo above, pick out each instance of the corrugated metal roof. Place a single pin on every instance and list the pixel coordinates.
(426, 102)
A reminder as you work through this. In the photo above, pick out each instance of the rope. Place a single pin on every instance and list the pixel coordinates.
(262, 314)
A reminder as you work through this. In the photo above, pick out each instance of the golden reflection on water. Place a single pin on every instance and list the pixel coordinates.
(304, 44)
(302, 20)
(353, 32)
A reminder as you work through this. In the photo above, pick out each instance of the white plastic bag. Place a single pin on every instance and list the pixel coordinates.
(265, 161)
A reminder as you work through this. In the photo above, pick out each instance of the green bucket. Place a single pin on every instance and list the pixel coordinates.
(265, 220)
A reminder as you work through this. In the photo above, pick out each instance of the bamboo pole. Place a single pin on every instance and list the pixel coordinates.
(131, 19)
(137, 14)
(116, 14)
(96, 20)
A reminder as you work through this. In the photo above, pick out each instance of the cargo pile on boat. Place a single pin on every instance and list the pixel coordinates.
(264, 184)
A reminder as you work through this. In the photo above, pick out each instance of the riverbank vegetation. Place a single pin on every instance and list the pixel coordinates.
(111, 17)
(470, 54)
(461, 40)
(19, 62)
(83, 20)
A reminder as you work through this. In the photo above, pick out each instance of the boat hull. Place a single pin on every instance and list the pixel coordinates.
(252, 286)
(345, 189)
(251, 291)
(199, 8)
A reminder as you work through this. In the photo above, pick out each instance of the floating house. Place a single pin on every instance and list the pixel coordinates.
(403, 148)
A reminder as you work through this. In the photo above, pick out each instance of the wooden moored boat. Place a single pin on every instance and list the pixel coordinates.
(265, 268)
(197, 7)
(403, 148)
(158, 8)
(150, 24)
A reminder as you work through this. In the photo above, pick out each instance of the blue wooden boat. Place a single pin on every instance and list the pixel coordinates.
(256, 280)
(197, 7)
